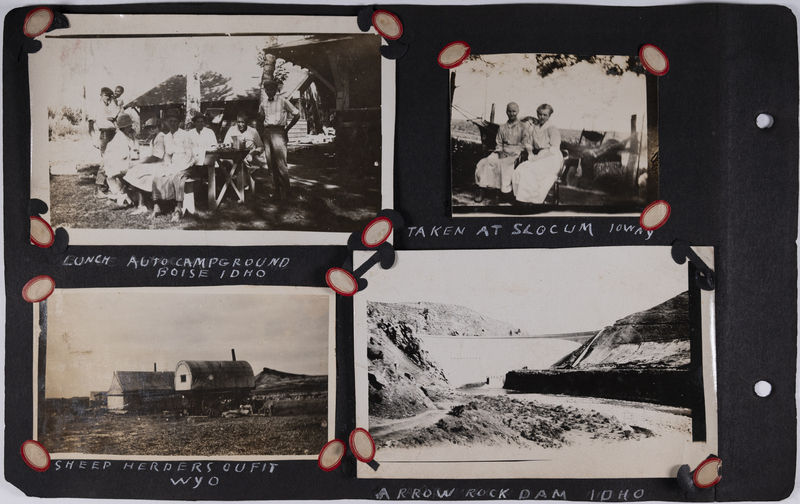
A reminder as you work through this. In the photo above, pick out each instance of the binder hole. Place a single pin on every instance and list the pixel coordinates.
(764, 121)
(763, 388)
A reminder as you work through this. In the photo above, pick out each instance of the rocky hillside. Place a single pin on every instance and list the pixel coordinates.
(403, 380)
(272, 381)
(656, 338)
(441, 319)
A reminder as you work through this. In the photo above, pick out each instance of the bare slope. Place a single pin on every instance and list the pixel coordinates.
(442, 319)
(403, 380)
(656, 338)
(271, 381)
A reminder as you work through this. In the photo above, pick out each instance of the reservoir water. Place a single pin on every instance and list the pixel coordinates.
(467, 360)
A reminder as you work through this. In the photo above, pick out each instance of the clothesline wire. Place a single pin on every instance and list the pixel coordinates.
(463, 112)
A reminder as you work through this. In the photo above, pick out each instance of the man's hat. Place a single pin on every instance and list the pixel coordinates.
(173, 113)
(106, 91)
(270, 84)
(198, 115)
(151, 122)
(124, 120)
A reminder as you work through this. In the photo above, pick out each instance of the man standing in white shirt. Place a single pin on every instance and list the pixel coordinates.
(278, 116)
(103, 127)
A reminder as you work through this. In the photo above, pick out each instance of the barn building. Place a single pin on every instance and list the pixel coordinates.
(141, 391)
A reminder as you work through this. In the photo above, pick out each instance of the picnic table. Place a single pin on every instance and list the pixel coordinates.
(237, 176)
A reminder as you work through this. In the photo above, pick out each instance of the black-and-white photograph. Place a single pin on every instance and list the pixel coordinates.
(200, 372)
(221, 128)
(529, 363)
(552, 133)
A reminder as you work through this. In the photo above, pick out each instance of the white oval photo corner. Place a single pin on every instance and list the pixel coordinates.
(377, 232)
(453, 54)
(387, 24)
(362, 445)
(35, 455)
(331, 455)
(707, 473)
(38, 289)
(37, 22)
(655, 215)
(654, 59)
(341, 281)
(41, 232)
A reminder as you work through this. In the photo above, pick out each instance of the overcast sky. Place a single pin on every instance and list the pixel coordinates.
(582, 96)
(94, 332)
(542, 291)
(140, 64)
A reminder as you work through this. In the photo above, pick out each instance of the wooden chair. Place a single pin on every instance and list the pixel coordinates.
(561, 177)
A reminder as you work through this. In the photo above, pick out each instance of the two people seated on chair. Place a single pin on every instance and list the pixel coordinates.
(526, 160)
(496, 170)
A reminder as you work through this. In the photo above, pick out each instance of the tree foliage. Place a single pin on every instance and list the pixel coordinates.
(546, 64)
(215, 86)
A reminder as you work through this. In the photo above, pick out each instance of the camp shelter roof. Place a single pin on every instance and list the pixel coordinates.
(326, 55)
(219, 374)
(215, 87)
(139, 381)
(312, 52)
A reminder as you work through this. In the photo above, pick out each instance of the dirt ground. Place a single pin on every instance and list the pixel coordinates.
(156, 434)
(503, 420)
(325, 198)
(466, 153)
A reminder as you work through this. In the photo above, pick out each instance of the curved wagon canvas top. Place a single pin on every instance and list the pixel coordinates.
(213, 375)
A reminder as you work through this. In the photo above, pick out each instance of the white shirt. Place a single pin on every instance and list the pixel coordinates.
(201, 143)
(277, 112)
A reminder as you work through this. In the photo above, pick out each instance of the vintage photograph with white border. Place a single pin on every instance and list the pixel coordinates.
(537, 363)
(211, 130)
(243, 372)
(561, 134)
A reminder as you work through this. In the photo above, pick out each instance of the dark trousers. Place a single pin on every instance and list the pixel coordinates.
(275, 151)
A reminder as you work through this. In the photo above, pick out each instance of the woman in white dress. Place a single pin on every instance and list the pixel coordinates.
(533, 179)
(178, 159)
(141, 176)
(121, 153)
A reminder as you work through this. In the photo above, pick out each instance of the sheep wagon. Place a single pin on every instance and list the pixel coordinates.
(210, 387)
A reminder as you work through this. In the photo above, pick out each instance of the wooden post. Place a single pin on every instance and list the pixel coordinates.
(193, 92)
(630, 170)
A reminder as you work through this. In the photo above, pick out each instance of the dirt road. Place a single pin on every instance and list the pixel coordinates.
(382, 428)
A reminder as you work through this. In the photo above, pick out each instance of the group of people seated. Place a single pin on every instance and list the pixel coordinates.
(169, 155)
(526, 160)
